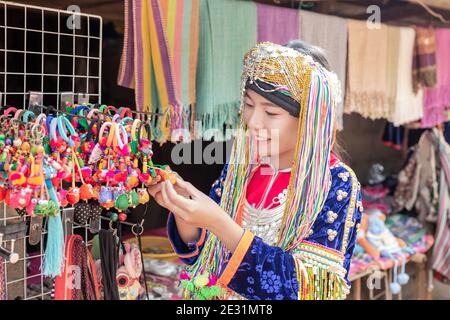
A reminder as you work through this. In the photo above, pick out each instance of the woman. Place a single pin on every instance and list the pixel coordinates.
(281, 221)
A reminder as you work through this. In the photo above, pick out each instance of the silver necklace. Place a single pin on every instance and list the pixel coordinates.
(266, 223)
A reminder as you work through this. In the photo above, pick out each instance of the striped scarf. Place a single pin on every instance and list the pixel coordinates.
(2, 280)
(163, 59)
(441, 251)
(424, 61)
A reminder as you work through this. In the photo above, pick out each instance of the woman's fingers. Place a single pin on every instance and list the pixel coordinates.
(170, 205)
(159, 200)
(154, 189)
(155, 180)
(175, 198)
(189, 188)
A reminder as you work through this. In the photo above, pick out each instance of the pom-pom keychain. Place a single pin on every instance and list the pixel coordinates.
(2, 192)
(62, 197)
(30, 208)
(73, 195)
(144, 197)
(121, 202)
(167, 174)
(106, 197)
(86, 192)
(133, 199)
(20, 198)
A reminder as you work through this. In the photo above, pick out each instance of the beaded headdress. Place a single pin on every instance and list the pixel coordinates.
(275, 69)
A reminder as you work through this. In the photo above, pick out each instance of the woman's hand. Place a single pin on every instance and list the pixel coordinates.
(155, 191)
(201, 211)
(193, 209)
(191, 205)
(187, 232)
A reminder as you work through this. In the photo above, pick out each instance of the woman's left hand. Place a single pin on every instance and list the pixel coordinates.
(197, 209)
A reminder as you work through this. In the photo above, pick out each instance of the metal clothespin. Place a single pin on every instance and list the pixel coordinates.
(9, 255)
(35, 230)
(35, 100)
(66, 100)
(68, 220)
(83, 98)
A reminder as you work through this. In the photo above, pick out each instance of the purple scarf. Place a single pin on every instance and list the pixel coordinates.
(275, 24)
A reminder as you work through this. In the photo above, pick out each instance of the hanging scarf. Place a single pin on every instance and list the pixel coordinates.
(441, 251)
(437, 99)
(165, 49)
(424, 60)
(78, 262)
(109, 261)
(125, 77)
(174, 32)
(276, 24)
(369, 91)
(2, 280)
(227, 31)
(329, 33)
(408, 105)
(317, 92)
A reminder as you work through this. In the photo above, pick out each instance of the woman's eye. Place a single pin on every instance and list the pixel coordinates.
(271, 114)
(248, 105)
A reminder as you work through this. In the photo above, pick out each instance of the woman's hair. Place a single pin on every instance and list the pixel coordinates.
(318, 55)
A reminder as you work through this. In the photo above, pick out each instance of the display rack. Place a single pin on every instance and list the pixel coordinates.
(54, 56)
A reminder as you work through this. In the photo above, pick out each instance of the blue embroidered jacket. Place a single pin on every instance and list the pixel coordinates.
(317, 269)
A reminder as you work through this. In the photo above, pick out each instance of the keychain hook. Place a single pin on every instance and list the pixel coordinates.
(141, 228)
(114, 230)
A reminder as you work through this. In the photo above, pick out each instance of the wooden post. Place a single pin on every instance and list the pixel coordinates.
(421, 263)
(357, 289)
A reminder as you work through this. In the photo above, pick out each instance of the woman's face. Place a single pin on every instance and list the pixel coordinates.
(273, 129)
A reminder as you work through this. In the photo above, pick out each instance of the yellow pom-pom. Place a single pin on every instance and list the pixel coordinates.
(202, 280)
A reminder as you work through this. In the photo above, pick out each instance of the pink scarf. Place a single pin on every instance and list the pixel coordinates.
(437, 99)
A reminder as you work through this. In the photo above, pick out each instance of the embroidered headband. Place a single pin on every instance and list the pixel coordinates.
(275, 72)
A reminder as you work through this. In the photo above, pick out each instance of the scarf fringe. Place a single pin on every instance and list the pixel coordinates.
(212, 125)
(178, 124)
(370, 105)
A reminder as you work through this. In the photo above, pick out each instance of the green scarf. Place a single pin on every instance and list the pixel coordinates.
(227, 32)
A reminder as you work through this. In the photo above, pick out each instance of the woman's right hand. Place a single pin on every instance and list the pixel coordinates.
(187, 232)
(155, 191)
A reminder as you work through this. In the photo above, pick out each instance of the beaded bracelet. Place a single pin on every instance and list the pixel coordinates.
(63, 125)
(103, 128)
(18, 113)
(90, 130)
(9, 110)
(149, 131)
(121, 129)
(125, 112)
(28, 114)
(92, 112)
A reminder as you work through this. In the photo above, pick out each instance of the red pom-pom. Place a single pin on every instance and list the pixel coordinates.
(121, 177)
